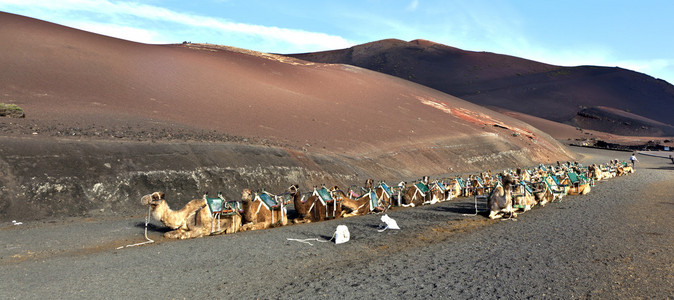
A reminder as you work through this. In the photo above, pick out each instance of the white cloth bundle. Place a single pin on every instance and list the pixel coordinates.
(390, 223)
(342, 234)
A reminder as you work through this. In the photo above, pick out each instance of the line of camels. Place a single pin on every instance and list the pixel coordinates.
(507, 194)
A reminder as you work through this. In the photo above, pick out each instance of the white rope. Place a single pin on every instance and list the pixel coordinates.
(147, 220)
(472, 215)
(311, 239)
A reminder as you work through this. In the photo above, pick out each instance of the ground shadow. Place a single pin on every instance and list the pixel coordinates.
(463, 208)
(670, 167)
(153, 228)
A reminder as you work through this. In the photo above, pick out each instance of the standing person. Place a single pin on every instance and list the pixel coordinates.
(671, 158)
(633, 159)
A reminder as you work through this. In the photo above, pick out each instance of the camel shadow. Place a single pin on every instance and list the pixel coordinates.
(670, 167)
(464, 208)
(153, 228)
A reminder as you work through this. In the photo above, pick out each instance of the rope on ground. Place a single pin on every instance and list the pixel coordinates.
(475, 214)
(306, 240)
(148, 240)
(313, 239)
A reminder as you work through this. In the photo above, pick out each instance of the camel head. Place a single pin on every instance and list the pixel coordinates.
(294, 190)
(335, 191)
(152, 199)
(507, 180)
(369, 184)
(246, 195)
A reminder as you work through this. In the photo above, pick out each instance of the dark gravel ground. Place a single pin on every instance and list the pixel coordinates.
(616, 242)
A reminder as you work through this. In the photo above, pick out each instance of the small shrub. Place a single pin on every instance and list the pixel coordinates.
(11, 111)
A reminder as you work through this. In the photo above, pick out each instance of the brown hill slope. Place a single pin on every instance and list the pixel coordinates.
(551, 92)
(301, 122)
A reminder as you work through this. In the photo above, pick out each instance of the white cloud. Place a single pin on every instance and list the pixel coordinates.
(143, 23)
(122, 32)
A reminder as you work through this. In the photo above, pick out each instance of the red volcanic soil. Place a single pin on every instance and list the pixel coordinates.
(547, 91)
(61, 76)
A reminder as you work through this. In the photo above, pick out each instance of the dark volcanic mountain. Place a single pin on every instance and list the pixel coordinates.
(552, 92)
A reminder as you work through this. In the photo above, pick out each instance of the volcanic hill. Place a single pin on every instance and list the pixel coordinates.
(108, 120)
(560, 94)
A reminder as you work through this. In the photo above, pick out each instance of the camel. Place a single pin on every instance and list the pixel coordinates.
(439, 192)
(623, 169)
(595, 172)
(478, 186)
(397, 193)
(607, 172)
(500, 200)
(314, 208)
(523, 174)
(524, 198)
(416, 194)
(578, 185)
(452, 189)
(385, 195)
(544, 194)
(192, 221)
(558, 190)
(355, 207)
(260, 211)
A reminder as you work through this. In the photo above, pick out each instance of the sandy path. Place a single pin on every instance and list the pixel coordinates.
(615, 242)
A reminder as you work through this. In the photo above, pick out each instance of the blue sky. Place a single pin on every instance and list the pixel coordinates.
(635, 35)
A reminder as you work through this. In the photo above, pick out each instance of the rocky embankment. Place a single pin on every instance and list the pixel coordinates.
(50, 177)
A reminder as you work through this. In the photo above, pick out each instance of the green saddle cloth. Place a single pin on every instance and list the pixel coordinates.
(269, 201)
(215, 205)
(423, 188)
(219, 205)
(324, 194)
(573, 177)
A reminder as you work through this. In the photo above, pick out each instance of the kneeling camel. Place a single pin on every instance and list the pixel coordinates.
(192, 221)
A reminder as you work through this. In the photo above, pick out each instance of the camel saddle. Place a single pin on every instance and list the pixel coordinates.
(527, 188)
(269, 202)
(221, 206)
(440, 186)
(554, 178)
(422, 187)
(575, 178)
(386, 189)
(374, 201)
(324, 195)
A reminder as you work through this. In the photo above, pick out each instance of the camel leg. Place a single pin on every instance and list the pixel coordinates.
(183, 234)
(255, 226)
(173, 234)
(301, 221)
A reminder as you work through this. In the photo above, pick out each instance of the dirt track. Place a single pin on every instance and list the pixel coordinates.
(616, 242)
